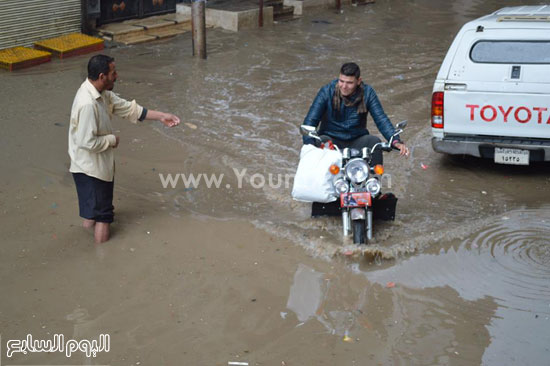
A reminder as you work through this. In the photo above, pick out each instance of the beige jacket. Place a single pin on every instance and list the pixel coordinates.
(91, 138)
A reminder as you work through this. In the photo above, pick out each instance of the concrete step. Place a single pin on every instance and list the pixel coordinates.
(285, 13)
(151, 35)
(228, 16)
(134, 38)
(148, 29)
(362, 2)
(276, 4)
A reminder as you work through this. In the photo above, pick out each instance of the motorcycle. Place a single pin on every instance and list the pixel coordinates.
(358, 187)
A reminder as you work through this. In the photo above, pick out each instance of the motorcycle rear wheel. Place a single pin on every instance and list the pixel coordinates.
(358, 227)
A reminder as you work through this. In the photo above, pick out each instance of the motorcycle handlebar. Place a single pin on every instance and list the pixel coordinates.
(310, 131)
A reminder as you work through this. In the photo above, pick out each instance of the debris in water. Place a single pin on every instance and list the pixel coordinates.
(238, 363)
(283, 314)
(400, 77)
(54, 205)
(347, 339)
(483, 192)
(348, 252)
(191, 126)
(390, 285)
(423, 166)
(321, 22)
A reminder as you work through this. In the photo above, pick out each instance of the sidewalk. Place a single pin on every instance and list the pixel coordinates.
(148, 29)
(233, 15)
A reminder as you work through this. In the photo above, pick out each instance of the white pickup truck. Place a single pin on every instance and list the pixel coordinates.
(491, 98)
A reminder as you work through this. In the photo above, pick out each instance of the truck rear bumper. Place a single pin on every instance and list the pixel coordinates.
(484, 147)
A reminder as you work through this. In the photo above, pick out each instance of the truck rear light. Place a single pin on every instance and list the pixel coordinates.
(437, 110)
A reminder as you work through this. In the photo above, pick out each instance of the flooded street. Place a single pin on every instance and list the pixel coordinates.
(203, 276)
(256, 87)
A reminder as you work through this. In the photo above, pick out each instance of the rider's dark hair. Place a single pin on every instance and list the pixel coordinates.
(98, 64)
(350, 69)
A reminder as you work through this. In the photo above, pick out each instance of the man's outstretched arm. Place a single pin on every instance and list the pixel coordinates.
(168, 119)
(134, 112)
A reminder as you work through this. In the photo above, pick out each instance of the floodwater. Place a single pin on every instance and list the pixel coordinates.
(256, 87)
(461, 277)
(481, 230)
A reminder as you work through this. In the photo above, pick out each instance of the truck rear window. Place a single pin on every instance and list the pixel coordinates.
(511, 52)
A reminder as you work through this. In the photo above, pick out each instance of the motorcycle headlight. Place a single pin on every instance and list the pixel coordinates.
(373, 186)
(357, 170)
(341, 186)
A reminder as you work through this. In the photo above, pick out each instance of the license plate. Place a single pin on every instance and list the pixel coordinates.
(355, 199)
(511, 156)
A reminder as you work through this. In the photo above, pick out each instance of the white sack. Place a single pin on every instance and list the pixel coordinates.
(313, 181)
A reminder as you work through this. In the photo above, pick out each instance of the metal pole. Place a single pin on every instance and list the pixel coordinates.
(198, 15)
(261, 15)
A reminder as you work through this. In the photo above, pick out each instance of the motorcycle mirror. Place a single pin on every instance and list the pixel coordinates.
(308, 130)
(345, 153)
(401, 125)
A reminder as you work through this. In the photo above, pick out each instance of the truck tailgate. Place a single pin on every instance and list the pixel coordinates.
(497, 114)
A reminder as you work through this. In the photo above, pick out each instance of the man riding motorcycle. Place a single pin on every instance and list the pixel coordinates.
(342, 106)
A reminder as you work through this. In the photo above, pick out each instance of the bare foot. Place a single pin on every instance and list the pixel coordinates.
(101, 232)
(88, 224)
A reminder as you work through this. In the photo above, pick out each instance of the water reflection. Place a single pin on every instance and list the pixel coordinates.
(507, 261)
(407, 325)
(308, 299)
(307, 293)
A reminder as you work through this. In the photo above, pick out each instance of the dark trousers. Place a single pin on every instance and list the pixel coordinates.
(95, 198)
(359, 143)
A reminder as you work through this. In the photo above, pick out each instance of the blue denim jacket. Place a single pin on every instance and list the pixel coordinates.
(346, 124)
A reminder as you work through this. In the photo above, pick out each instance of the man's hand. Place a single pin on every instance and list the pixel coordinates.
(117, 142)
(403, 149)
(169, 120)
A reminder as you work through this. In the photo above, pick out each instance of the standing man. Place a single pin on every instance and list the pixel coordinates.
(91, 142)
(342, 106)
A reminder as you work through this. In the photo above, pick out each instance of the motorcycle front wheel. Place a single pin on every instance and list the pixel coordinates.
(358, 231)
